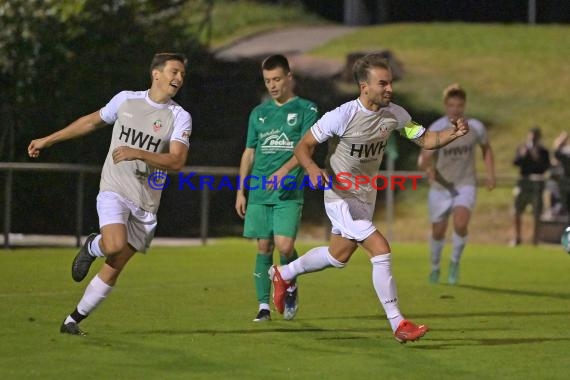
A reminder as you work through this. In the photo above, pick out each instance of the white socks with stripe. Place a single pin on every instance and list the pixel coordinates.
(94, 294)
(435, 247)
(458, 246)
(385, 287)
(94, 249)
(315, 260)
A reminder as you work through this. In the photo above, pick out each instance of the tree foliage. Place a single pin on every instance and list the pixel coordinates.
(60, 59)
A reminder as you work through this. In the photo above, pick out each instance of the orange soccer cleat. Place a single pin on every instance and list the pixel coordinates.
(279, 289)
(409, 332)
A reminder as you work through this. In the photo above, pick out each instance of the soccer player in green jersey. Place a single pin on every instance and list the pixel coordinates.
(273, 211)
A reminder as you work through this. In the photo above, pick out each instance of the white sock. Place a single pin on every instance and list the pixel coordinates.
(315, 260)
(458, 246)
(94, 249)
(94, 294)
(264, 306)
(385, 287)
(69, 319)
(436, 246)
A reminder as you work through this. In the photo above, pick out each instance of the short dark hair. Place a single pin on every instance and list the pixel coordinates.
(536, 131)
(160, 59)
(364, 64)
(274, 61)
(454, 91)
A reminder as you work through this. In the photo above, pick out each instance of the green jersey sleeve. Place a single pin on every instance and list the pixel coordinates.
(251, 141)
(310, 117)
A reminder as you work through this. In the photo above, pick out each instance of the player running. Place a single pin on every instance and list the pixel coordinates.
(453, 190)
(363, 127)
(274, 213)
(150, 136)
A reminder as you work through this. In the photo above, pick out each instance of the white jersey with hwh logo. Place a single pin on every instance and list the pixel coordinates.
(143, 124)
(456, 161)
(363, 135)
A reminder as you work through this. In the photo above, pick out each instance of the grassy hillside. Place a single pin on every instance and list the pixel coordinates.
(231, 20)
(515, 75)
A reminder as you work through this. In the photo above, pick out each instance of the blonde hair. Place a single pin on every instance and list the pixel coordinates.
(454, 91)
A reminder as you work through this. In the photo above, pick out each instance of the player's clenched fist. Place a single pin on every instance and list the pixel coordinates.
(35, 147)
(460, 127)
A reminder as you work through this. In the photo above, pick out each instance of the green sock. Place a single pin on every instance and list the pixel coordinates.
(261, 277)
(284, 260)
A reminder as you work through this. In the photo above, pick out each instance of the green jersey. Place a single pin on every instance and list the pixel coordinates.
(273, 132)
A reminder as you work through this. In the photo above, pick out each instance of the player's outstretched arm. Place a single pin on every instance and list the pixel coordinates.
(425, 163)
(437, 139)
(173, 160)
(80, 127)
(245, 166)
(304, 153)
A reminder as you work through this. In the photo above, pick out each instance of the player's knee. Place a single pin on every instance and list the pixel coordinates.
(438, 235)
(461, 230)
(286, 250)
(112, 247)
(265, 246)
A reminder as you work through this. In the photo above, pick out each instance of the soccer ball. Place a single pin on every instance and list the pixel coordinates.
(565, 239)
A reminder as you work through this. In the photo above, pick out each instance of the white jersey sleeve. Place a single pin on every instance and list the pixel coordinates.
(479, 129)
(109, 113)
(182, 126)
(333, 122)
(407, 127)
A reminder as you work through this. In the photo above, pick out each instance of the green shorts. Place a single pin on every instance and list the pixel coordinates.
(266, 221)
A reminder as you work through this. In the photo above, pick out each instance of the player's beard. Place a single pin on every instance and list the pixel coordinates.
(384, 101)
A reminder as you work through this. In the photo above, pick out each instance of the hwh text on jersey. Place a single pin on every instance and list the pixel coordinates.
(456, 151)
(138, 138)
(369, 150)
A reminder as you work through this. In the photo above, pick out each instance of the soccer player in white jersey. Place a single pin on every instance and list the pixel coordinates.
(150, 136)
(453, 182)
(363, 126)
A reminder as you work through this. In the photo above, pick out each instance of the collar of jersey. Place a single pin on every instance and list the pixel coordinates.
(366, 110)
(153, 103)
(284, 104)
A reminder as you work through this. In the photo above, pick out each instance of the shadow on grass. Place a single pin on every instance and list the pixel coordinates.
(454, 315)
(485, 342)
(516, 292)
(380, 329)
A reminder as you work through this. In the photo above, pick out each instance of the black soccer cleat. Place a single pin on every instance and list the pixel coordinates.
(263, 316)
(71, 328)
(83, 260)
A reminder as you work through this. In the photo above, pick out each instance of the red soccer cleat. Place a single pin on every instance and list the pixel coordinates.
(408, 332)
(279, 289)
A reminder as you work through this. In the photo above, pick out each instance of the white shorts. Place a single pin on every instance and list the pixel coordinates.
(116, 209)
(351, 219)
(441, 202)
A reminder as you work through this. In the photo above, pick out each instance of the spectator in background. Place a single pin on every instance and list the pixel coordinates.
(533, 160)
(562, 156)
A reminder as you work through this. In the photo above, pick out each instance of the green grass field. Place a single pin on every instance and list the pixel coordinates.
(185, 313)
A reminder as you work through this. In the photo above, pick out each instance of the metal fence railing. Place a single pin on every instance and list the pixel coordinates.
(9, 168)
(81, 170)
